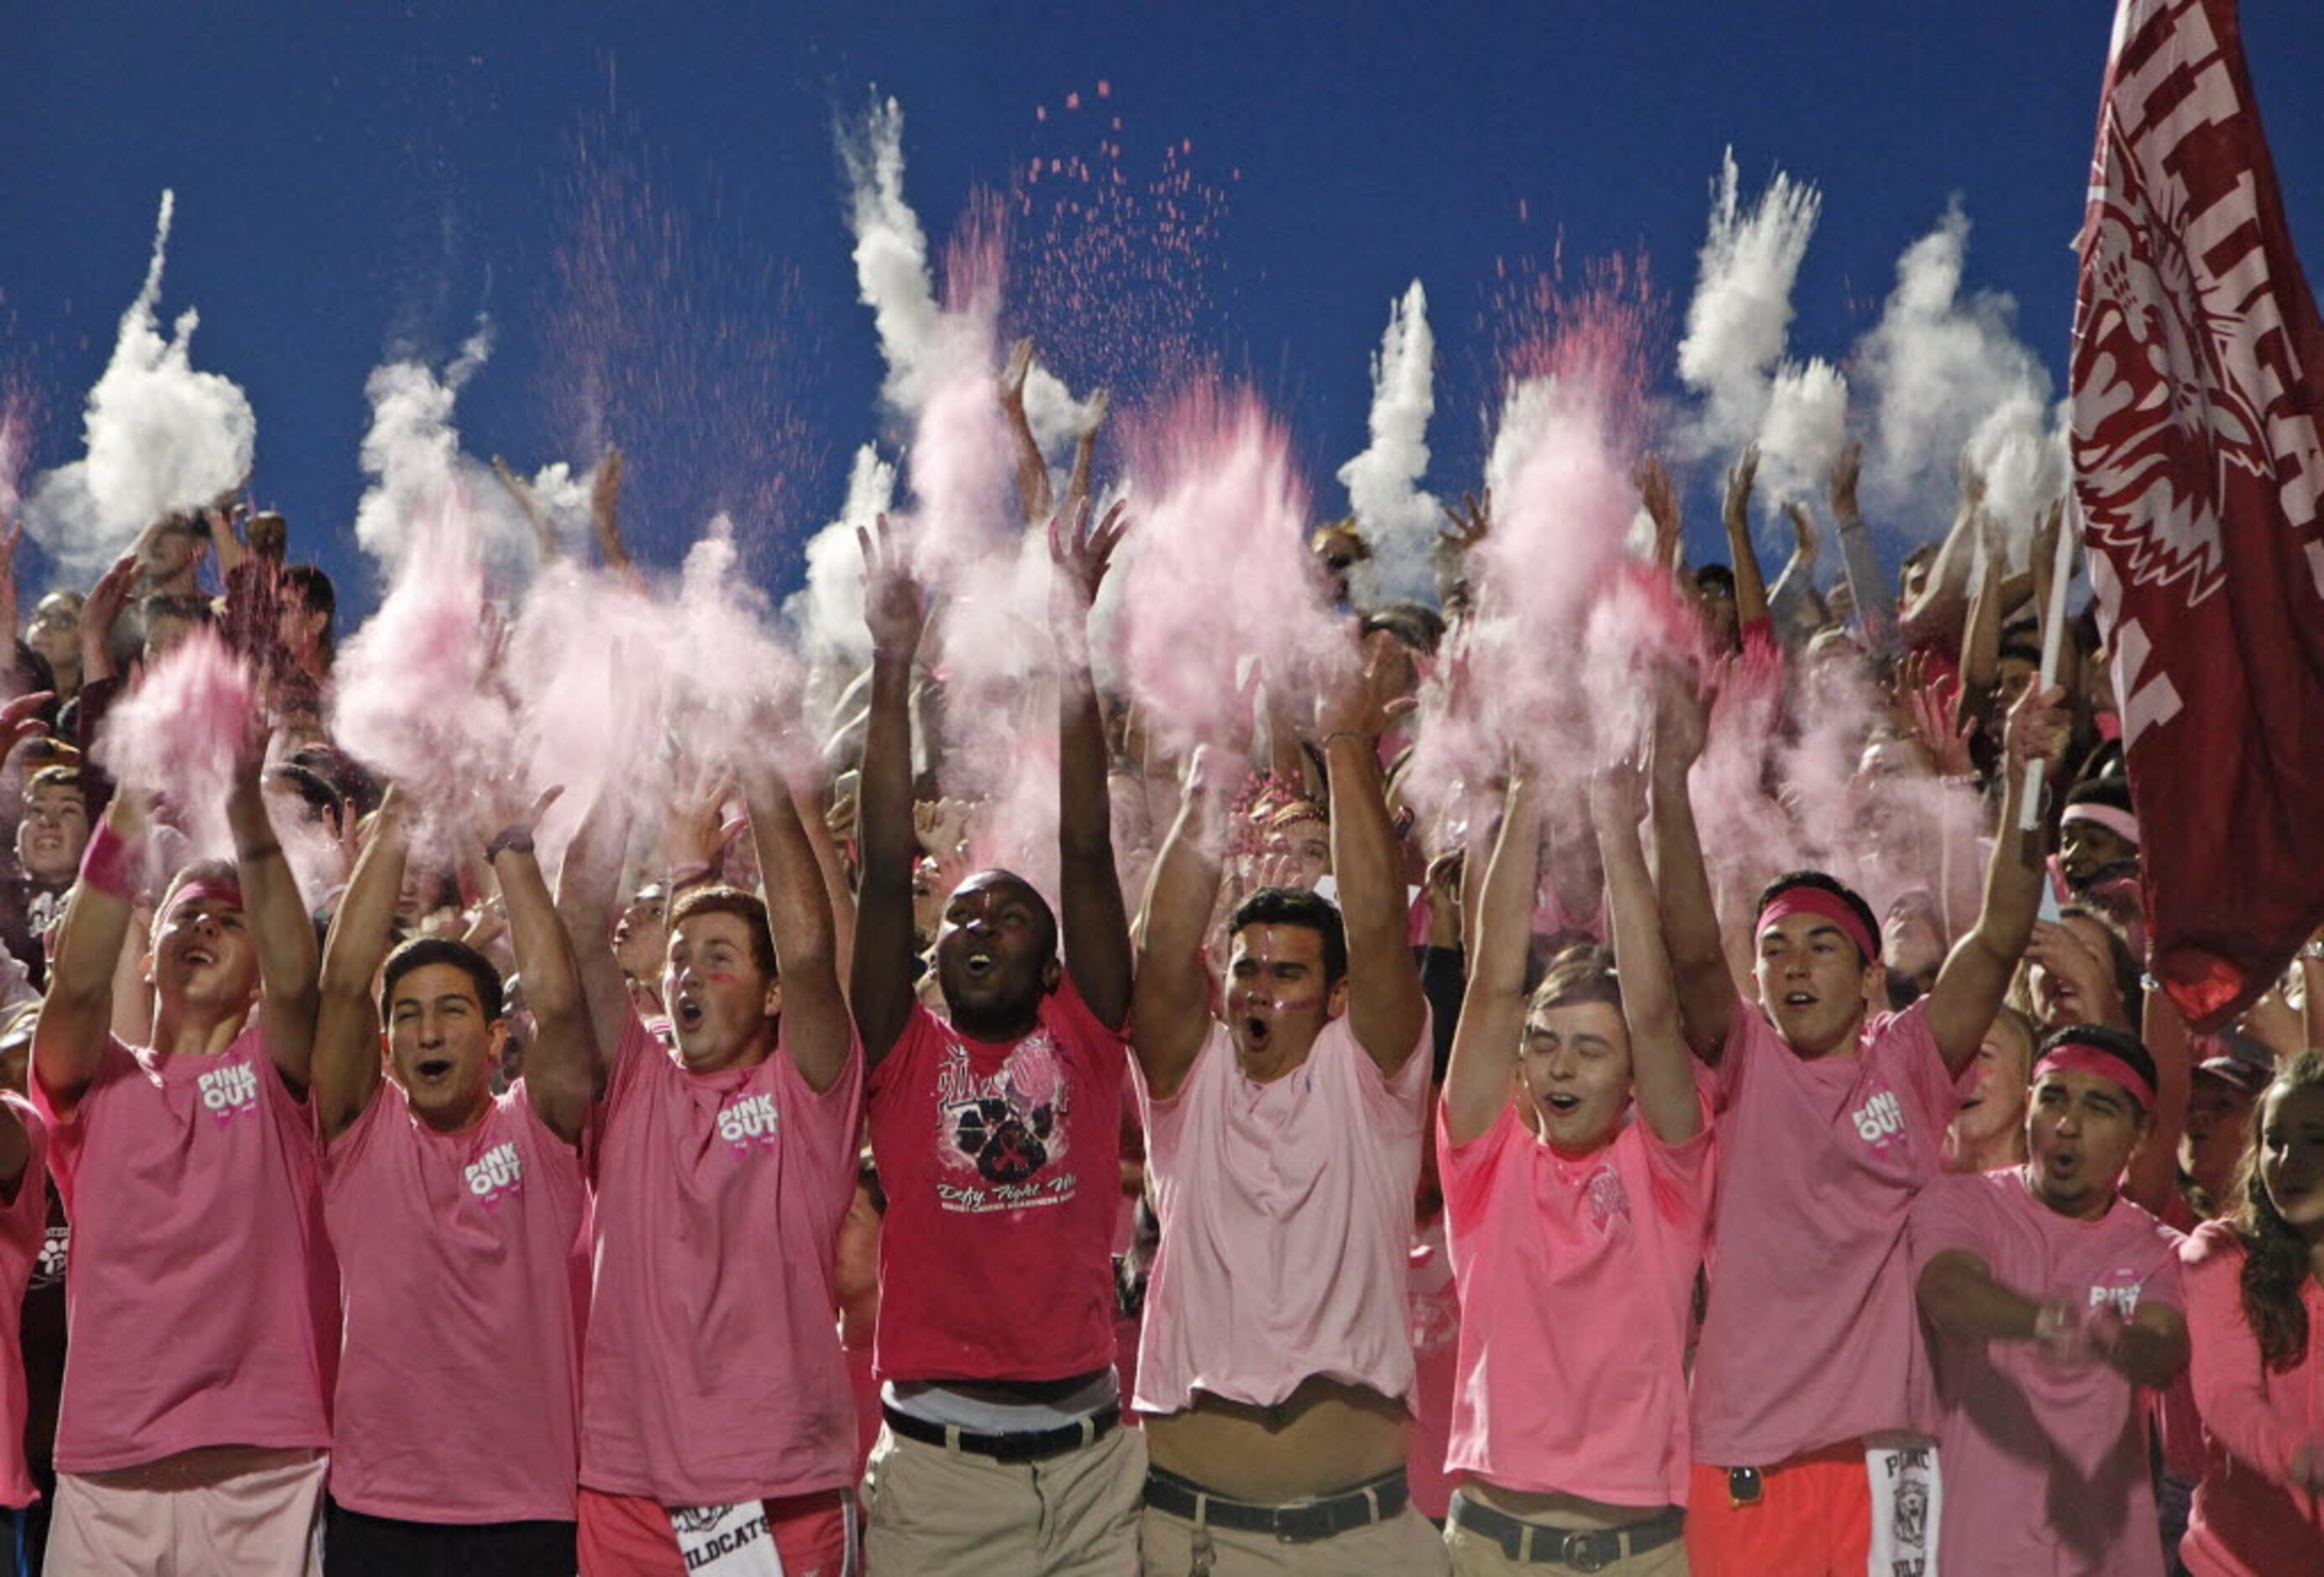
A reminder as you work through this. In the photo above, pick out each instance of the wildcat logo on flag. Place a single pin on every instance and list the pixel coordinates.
(2198, 381)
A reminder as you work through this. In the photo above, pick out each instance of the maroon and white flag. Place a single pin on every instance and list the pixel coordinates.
(2198, 384)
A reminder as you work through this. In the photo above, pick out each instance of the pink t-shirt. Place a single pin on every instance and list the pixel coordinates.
(1002, 1167)
(2247, 1522)
(459, 1382)
(1811, 1336)
(1286, 1209)
(23, 1230)
(712, 1372)
(1575, 1281)
(200, 1286)
(2045, 1464)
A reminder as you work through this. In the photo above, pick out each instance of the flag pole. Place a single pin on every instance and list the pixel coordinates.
(2054, 633)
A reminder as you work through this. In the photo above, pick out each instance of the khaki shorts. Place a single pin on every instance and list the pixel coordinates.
(934, 1512)
(1405, 1545)
(226, 1511)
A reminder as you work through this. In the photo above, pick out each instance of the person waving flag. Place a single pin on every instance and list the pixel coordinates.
(2197, 377)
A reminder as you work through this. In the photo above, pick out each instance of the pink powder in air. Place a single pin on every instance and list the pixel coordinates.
(180, 732)
(414, 700)
(1217, 570)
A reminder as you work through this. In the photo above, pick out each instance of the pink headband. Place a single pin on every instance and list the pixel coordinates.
(2120, 823)
(217, 888)
(2079, 1056)
(1827, 905)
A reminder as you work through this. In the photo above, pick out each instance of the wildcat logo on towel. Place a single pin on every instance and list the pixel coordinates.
(726, 1540)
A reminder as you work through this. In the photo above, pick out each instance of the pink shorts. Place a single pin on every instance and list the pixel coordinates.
(629, 1535)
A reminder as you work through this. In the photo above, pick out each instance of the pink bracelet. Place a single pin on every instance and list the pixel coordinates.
(108, 864)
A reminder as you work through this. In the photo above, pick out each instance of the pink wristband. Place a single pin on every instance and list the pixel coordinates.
(107, 862)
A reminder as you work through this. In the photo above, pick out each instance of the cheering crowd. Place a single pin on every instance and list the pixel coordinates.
(1603, 1158)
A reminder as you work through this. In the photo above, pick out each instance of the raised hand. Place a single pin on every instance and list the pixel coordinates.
(696, 833)
(1736, 508)
(894, 608)
(106, 598)
(941, 825)
(269, 536)
(2037, 728)
(1471, 520)
(1012, 375)
(1842, 482)
(1079, 555)
(1617, 793)
(1367, 702)
(1923, 712)
(1660, 496)
(1682, 724)
(1972, 485)
(2045, 537)
(1807, 542)
(506, 820)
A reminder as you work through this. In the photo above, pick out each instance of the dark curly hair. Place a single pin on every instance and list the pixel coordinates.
(2275, 1257)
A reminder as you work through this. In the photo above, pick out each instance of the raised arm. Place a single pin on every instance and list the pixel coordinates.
(1704, 986)
(1032, 470)
(815, 1029)
(1170, 997)
(812, 799)
(586, 890)
(528, 504)
(1793, 603)
(880, 988)
(605, 510)
(1077, 481)
(346, 1060)
(1938, 611)
(1660, 497)
(1751, 585)
(280, 925)
(1874, 607)
(98, 614)
(1969, 986)
(1476, 1078)
(1662, 1075)
(1095, 923)
(76, 1017)
(1385, 1006)
(564, 1071)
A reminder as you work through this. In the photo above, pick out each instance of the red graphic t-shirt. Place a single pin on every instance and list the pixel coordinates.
(1001, 1164)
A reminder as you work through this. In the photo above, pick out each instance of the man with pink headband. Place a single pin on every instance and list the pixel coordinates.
(1810, 1394)
(2055, 1300)
(192, 1431)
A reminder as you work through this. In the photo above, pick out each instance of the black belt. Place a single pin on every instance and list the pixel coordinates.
(1583, 1549)
(1031, 1445)
(1304, 1522)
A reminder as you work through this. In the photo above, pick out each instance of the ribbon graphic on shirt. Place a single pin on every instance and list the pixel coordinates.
(1001, 1136)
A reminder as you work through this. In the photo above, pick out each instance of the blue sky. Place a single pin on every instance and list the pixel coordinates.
(354, 178)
